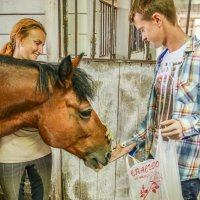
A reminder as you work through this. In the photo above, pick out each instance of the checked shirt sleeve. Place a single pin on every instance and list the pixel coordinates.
(187, 108)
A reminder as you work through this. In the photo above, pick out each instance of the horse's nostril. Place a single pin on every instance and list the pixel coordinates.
(108, 155)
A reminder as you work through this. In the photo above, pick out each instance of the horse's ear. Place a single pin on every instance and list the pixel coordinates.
(65, 71)
(77, 60)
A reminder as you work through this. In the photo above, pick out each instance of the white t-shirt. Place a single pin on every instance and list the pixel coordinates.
(22, 146)
(166, 80)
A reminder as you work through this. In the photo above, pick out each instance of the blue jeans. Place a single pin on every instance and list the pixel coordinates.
(12, 177)
(190, 189)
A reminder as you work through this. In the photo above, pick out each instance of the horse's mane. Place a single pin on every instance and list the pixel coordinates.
(81, 81)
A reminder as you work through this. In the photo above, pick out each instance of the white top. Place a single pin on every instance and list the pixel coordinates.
(166, 80)
(174, 56)
(22, 146)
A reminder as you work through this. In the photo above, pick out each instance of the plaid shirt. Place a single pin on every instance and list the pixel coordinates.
(186, 110)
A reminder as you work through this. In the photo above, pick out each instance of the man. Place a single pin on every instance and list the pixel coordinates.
(174, 103)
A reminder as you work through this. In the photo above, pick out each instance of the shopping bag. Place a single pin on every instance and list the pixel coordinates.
(158, 178)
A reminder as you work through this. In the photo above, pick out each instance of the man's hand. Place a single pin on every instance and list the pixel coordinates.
(172, 129)
(119, 151)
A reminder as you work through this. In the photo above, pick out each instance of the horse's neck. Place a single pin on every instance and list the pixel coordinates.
(18, 90)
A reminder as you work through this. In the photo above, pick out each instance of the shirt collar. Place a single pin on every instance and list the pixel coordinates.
(193, 43)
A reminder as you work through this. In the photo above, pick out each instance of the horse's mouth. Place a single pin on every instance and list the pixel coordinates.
(97, 159)
(100, 165)
(95, 164)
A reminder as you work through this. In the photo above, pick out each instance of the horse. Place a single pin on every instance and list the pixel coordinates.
(54, 98)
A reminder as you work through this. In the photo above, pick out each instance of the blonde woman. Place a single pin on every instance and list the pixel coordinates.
(24, 152)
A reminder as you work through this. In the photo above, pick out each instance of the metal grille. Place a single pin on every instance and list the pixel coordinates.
(108, 29)
(136, 41)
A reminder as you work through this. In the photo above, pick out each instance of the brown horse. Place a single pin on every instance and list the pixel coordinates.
(54, 99)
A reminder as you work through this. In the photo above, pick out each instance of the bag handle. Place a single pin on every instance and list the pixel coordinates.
(129, 157)
(159, 148)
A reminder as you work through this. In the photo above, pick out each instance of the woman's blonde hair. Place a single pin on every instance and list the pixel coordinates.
(148, 7)
(21, 30)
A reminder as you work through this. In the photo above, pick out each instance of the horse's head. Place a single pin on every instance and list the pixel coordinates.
(68, 121)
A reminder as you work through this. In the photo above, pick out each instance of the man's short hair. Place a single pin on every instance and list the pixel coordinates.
(148, 7)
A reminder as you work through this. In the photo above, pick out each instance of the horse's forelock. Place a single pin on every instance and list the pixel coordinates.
(82, 84)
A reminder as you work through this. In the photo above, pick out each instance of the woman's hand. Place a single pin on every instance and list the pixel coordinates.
(119, 151)
(172, 129)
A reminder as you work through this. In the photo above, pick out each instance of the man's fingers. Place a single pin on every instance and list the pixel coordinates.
(171, 134)
(120, 151)
(130, 147)
(166, 129)
(167, 122)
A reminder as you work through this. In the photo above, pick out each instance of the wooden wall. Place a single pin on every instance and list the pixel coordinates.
(121, 98)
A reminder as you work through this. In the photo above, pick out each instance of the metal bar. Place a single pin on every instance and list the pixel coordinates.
(115, 35)
(147, 51)
(120, 60)
(108, 30)
(93, 34)
(105, 30)
(101, 29)
(132, 42)
(2, 14)
(76, 26)
(59, 28)
(65, 25)
(106, 3)
(129, 41)
(130, 36)
(188, 16)
(111, 29)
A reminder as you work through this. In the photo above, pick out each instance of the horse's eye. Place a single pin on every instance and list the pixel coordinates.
(85, 114)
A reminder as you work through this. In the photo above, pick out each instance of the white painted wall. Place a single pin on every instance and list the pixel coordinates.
(45, 11)
(84, 23)
(52, 29)
(122, 28)
(12, 11)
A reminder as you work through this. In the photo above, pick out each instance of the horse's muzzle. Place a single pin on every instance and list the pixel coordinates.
(96, 161)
